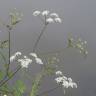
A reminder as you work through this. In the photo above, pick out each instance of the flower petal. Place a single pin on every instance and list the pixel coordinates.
(49, 20)
(54, 15)
(45, 12)
(36, 13)
(58, 20)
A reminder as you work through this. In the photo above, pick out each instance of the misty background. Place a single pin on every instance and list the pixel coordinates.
(79, 18)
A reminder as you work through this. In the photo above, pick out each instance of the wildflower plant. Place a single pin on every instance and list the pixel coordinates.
(49, 67)
(79, 44)
(64, 81)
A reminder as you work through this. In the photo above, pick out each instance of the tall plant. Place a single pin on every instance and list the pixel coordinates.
(48, 67)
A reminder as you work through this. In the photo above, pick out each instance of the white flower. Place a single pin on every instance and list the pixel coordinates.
(86, 52)
(55, 15)
(38, 61)
(49, 20)
(18, 53)
(65, 84)
(64, 81)
(85, 42)
(58, 73)
(59, 79)
(45, 12)
(71, 84)
(64, 77)
(58, 20)
(79, 45)
(33, 54)
(4, 95)
(12, 58)
(70, 79)
(25, 62)
(82, 48)
(74, 85)
(36, 13)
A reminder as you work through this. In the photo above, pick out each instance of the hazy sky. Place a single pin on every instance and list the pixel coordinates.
(79, 18)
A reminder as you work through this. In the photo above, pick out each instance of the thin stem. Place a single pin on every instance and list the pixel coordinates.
(3, 57)
(48, 91)
(38, 39)
(5, 81)
(5, 63)
(37, 83)
(1, 90)
(9, 54)
(2, 23)
(52, 52)
(7, 67)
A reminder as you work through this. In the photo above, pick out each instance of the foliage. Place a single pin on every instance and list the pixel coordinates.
(48, 67)
(19, 88)
(36, 85)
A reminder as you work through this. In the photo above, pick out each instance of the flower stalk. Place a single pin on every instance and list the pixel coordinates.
(39, 37)
(13, 74)
(49, 91)
(9, 55)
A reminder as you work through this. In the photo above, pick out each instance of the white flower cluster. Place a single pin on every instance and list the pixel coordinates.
(37, 59)
(78, 44)
(4, 95)
(15, 17)
(81, 46)
(64, 81)
(50, 17)
(13, 57)
(25, 61)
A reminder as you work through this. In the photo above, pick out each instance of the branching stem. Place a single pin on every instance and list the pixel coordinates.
(38, 39)
(6, 80)
(48, 91)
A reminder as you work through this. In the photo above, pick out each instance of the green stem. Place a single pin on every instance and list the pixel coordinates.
(5, 91)
(48, 91)
(3, 57)
(38, 39)
(6, 80)
(52, 52)
(36, 84)
(9, 55)
(5, 63)
(7, 67)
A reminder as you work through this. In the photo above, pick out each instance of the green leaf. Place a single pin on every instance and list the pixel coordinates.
(5, 89)
(10, 73)
(19, 88)
(36, 85)
(1, 74)
(4, 44)
(17, 93)
(49, 70)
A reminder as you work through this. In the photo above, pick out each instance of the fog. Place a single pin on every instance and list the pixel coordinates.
(79, 19)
